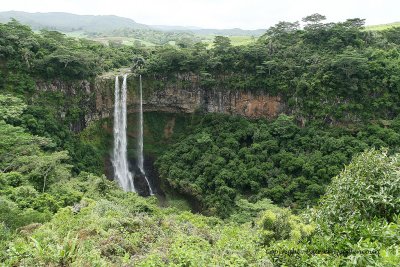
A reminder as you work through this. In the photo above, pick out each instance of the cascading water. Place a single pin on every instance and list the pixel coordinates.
(140, 136)
(120, 155)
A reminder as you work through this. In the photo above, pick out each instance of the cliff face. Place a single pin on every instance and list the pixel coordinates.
(97, 98)
(252, 105)
(64, 95)
(188, 98)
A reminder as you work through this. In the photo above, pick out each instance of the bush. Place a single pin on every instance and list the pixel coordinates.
(368, 188)
(280, 224)
(14, 217)
(13, 179)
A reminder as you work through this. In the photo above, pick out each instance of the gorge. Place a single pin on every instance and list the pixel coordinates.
(289, 143)
(97, 96)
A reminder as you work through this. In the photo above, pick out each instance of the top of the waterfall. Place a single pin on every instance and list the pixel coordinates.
(116, 72)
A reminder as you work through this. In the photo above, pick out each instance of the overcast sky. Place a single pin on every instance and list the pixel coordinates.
(246, 14)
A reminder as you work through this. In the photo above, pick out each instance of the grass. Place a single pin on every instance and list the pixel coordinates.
(208, 39)
(242, 40)
(107, 39)
(235, 40)
(76, 34)
(124, 40)
(382, 27)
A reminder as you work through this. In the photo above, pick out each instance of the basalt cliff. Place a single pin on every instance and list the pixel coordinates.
(183, 95)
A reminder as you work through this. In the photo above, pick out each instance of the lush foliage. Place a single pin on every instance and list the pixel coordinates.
(369, 188)
(56, 209)
(115, 228)
(326, 71)
(28, 58)
(32, 174)
(225, 157)
(51, 55)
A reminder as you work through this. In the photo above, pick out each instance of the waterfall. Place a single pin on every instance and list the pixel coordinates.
(120, 155)
(140, 136)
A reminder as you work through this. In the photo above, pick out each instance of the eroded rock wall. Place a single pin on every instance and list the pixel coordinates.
(97, 98)
(174, 97)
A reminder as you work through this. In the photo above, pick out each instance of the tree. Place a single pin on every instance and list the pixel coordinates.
(138, 63)
(314, 19)
(11, 107)
(45, 168)
(222, 44)
(283, 28)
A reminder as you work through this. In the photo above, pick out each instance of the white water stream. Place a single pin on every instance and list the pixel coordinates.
(120, 155)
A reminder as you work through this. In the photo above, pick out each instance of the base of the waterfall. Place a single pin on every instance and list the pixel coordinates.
(141, 185)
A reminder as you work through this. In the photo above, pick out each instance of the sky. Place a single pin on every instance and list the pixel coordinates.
(245, 14)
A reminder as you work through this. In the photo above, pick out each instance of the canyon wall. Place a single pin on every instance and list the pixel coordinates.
(184, 95)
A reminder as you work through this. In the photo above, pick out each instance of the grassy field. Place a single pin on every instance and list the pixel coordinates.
(76, 34)
(242, 40)
(208, 39)
(122, 40)
(106, 40)
(235, 40)
(382, 27)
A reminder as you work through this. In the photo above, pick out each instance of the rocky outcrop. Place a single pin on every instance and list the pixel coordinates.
(185, 95)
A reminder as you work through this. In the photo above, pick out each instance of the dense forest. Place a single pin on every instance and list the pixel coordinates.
(317, 186)
(225, 158)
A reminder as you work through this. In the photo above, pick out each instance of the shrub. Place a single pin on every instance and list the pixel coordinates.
(368, 188)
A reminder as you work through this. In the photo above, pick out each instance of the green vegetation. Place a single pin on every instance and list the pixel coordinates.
(318, 188)
(118, 30)
(109, 227)
(331, 72)
(50, 55)
(27, 58)
(227, 157)
(145, 37)
(382, 27)
(67, 22)
(242, 40)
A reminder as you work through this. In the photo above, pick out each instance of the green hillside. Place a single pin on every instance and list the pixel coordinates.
(67, 22)
(381, 27)
(119, 30)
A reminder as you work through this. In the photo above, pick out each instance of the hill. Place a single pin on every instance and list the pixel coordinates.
(67, 22)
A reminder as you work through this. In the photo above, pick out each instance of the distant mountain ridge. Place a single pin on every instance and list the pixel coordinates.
(68, 22)
(71, 22)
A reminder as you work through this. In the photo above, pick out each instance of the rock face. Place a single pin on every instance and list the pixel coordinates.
(252, 105)
(68, 92)
(185, 95)
(181, 97)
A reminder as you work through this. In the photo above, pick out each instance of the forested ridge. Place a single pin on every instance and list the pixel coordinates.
(324, 71)
(317, 186)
